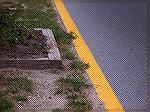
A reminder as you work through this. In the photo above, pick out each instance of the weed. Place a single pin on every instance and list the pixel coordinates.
(59, 91)
(33, 17)
(79, 65)
(57, 110)
(16, 84)
(67, 54)
(21, 98)
(72, 83)
(5, 104)
(10, 31)
(21, 83)
(13, 85)
(63, 37)
(78, 103)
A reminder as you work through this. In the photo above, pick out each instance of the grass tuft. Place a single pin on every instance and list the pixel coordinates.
(5, 104)
(13, 85)
(16, 84)
(58, 110)
(63, 37)
(78, 103)
(72, 83)
(79, 65)
(67, 54)
(21, 98)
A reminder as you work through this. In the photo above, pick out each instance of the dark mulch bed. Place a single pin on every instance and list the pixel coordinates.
(30, 48)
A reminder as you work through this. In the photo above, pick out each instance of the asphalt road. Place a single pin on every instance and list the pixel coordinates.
(116, 35)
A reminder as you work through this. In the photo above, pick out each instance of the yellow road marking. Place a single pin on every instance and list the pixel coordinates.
(103, 89)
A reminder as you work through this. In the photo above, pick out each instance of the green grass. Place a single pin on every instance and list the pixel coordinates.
(13, 85)
(34, 17)
(63, 37)
(21, 98)
(5, 104)
(39, 13)
(72, 83)
(79, 65)
(16, 84)
(79, 104)
(67, 54)
(58, 110)
(59, 91)
(9, 31)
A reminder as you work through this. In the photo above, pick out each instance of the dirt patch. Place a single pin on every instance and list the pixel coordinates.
(30, 48)
(43, 97)
(22, 52)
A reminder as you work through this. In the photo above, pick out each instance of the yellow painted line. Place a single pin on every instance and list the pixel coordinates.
(103, 89)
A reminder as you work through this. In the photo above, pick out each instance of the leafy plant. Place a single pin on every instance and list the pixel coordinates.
(72, 83)
(21, 98)
(62, 36)
(13, 85)
(16, 84)
(9, 30)
(79, 65)
(21, 83)
(67, 54)
(5, 104)
(57, 110)
(78, 103)
(59, 91)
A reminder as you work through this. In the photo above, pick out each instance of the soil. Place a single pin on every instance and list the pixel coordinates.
(43, 96)
(30, 48)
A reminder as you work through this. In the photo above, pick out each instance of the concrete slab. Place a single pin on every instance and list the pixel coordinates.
(53, 52)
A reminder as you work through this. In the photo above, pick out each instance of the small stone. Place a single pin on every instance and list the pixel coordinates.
(131, 49)
(50, 97)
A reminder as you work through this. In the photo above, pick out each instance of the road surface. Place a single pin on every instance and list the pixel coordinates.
(117, 37)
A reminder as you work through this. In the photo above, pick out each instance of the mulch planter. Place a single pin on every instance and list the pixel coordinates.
(35, 53)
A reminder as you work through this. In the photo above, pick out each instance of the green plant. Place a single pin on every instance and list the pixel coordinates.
(5, 104)
(78, 103)
(21, 98)
(10, 31)
(20, 83)
(79, 65)
(59, 91)
(57, 110)
(16, 84)
(53, 14)
(13, 85)
(62, 36)
(15, 23)
(67, 54)
(72, 83)
(1, 79)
